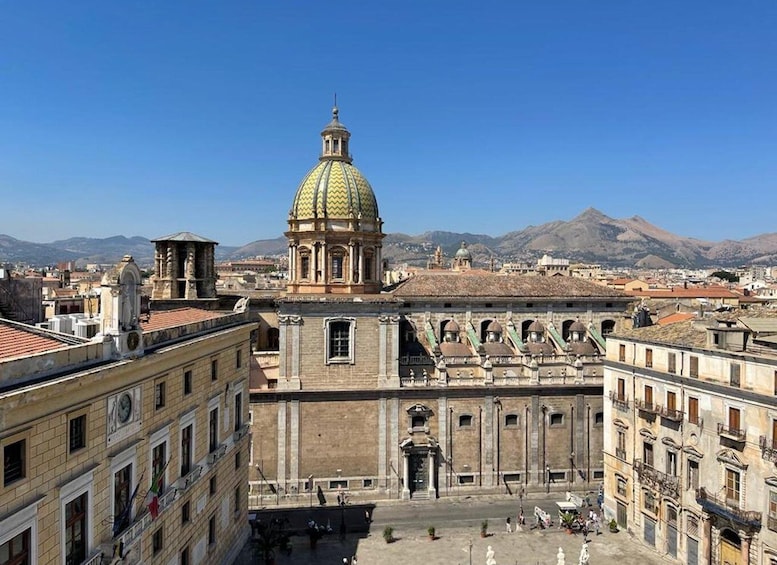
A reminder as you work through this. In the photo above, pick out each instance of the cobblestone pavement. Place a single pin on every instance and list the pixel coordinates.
(452, 546)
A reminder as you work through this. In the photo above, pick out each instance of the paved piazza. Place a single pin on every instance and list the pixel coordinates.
(528, 547)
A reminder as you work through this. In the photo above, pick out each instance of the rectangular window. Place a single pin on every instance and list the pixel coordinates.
(185, 556)
(772, 504)
(671, 400)
(693, 410)
(14, 462)
(647, 453)
(238, 411)
(733, 487)
(213, 430)
(214, 369)
(238, 358)
(466, 479)
(621, 487)
(367, 483)
(693, 474)
(775, 383)
(121, 498)
(75, 530)
(212, 485)
(338, 484)
(337, 267)
(339, 340)
(620, 449)
(237, 459)
(212, 530)
(622, 353)
(648, 395)
(671, 463)
(16, 550)
(159, 395)
(186, 450)
(237, 501)
(672, 363)
(185, 513)
(648, 358)
(649, 501)
(693, 367)
(733, 419)
(621, 389)
(304, 267)
(733, 380)
(187, 382)
(77, 433)
(158, 540)
(158, 461)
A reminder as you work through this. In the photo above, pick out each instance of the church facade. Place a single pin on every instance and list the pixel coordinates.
(452, 381)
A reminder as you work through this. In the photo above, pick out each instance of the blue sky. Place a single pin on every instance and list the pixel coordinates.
(147, 118)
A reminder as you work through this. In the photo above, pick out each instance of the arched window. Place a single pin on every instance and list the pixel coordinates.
(608, 326)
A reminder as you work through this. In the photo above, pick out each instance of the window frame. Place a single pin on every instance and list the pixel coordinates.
(509, 423)
(329, 328)
(83, 485)
(556, 415)
(188, 381)
(160, 393)
(71, 418)
(465, 420)
(188, 420)
(7, 442)
(20, 522)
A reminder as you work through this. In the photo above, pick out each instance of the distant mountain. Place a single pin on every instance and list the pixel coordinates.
(591, 237)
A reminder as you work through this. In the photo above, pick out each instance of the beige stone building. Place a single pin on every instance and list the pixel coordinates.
(691, 438)
(451, 381)
(87, 427)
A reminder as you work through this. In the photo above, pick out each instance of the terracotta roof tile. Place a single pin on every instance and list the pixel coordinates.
(676, 317)
(500, 286)
(161, 319)
(18, 340)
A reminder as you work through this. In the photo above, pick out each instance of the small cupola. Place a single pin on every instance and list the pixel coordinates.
(451, 332)
(334, 140)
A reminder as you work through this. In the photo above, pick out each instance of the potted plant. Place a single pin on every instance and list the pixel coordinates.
(613, 525)
(567, 520)
(431, 531)
(388, 534)
(483, 528)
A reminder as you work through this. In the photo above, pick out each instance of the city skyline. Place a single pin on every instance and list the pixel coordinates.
(481, 119)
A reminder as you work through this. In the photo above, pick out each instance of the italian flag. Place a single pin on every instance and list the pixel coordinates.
(152, 498)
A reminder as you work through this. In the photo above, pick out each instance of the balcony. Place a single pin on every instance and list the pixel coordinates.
(696, 421)
(768, 449)
(672, 414)
(217, 454)
(647, 407)
(734, 434)
(668, 485)
(620, 401)
(95, 558)
(416, 360)
(185, 482)
(239, 433)
(727, 509)
(135, 531)
(425, 379)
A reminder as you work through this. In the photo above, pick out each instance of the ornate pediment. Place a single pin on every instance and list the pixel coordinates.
(692, 452)
(669, 442)
(729, 457)
(620, 423)
(647, 434)
(419, 410)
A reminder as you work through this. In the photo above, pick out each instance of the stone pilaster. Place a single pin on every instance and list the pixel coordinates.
(382, 445)
(393, 407)
(487, 465)
(281, 472)
(534, 441)
(294, 444)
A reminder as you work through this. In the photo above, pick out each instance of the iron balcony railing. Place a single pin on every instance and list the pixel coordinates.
(672, 414)
(732, 433)
(669, 485)
(768, 449)
(647, 407)
(620, 401)
(727, 509)
(416, 360)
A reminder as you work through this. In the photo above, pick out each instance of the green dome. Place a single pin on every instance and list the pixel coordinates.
(334, 189)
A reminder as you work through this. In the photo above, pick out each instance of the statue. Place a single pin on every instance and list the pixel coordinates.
(583, 555)
(490, 556)
(560, 559)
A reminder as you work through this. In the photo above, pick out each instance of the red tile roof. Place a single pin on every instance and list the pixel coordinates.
(18, 340)
(161, 319)
(692, 292)
(676, 317)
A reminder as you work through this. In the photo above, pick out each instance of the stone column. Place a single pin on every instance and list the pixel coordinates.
(314, 263)
(294, 450)
(281, 472)
(351, 262)
(294, 381)
(487, 465)
(382, 446)
(282, 366)
(534, 441)
(291, 262)
(324, 260)
(393, 414)
(361, 264)
(432, 469)
(189, 273)
(382, 349)
(405, 475)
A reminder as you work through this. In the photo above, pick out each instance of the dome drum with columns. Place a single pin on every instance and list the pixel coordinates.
(335, 231)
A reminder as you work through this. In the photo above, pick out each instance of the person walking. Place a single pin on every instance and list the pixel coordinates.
(508, 525)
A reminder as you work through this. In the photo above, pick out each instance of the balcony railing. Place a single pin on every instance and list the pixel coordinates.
(217, 454)
(239, 433)
(647, 407)
(95, 558)
(723, 507)
(620, 401)
(620, 453)
(185, 482)
(417, 380)
(731, 433)
(696, 421)
(416, 360)
(672, 414)
(462, 360)
(667, 484)
(133, 533)
(768, 449)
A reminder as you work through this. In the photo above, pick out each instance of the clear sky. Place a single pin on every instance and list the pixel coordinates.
(148, 118)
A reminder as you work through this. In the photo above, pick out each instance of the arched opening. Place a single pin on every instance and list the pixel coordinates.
(565, 329)
(408, 339)
(441, 330)
(608, 326)
(483, 332)
(730, 546)
(525, 329)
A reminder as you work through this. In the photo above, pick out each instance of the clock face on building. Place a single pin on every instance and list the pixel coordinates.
(125, 407)
(133, 340)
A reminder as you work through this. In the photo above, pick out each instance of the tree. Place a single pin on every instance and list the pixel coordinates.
(726, 276)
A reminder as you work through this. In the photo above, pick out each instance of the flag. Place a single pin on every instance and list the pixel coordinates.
(121, 521)
(152, 497)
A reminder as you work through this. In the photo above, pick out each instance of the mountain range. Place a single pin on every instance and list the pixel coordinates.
(591, 237)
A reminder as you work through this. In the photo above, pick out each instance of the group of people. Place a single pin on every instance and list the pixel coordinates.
(592, 523)
(519, 521)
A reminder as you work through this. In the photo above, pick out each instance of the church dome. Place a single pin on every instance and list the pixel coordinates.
(494, 326)
(451, 326)
(536, 326)
(463, 252)
(578, 326)
(335, 189)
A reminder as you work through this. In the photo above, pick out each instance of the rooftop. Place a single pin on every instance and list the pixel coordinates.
(18, 340)
(161, 319)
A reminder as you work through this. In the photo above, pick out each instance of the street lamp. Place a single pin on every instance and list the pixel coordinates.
(547, 481)
(310, 486)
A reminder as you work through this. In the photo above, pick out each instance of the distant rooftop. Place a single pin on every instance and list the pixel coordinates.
(185, 236)
(18, 340)
(161, 319)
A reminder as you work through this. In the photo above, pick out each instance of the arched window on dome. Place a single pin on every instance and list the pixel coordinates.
(304, 264)
(338, 263)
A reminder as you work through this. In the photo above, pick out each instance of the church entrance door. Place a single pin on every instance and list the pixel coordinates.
(419, 472)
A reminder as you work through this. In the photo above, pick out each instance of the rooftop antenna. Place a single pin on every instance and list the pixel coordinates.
(335, 99)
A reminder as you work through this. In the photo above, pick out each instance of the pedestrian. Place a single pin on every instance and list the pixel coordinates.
(339, 500)
(521, 518)
(508, 525)
(596, 524)
(367, 517)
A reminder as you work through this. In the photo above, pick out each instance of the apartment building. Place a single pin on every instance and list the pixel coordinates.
(690, 438)
(131, 447)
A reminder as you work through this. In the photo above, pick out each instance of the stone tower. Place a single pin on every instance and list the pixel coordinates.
(185, 267)
(335, 231)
